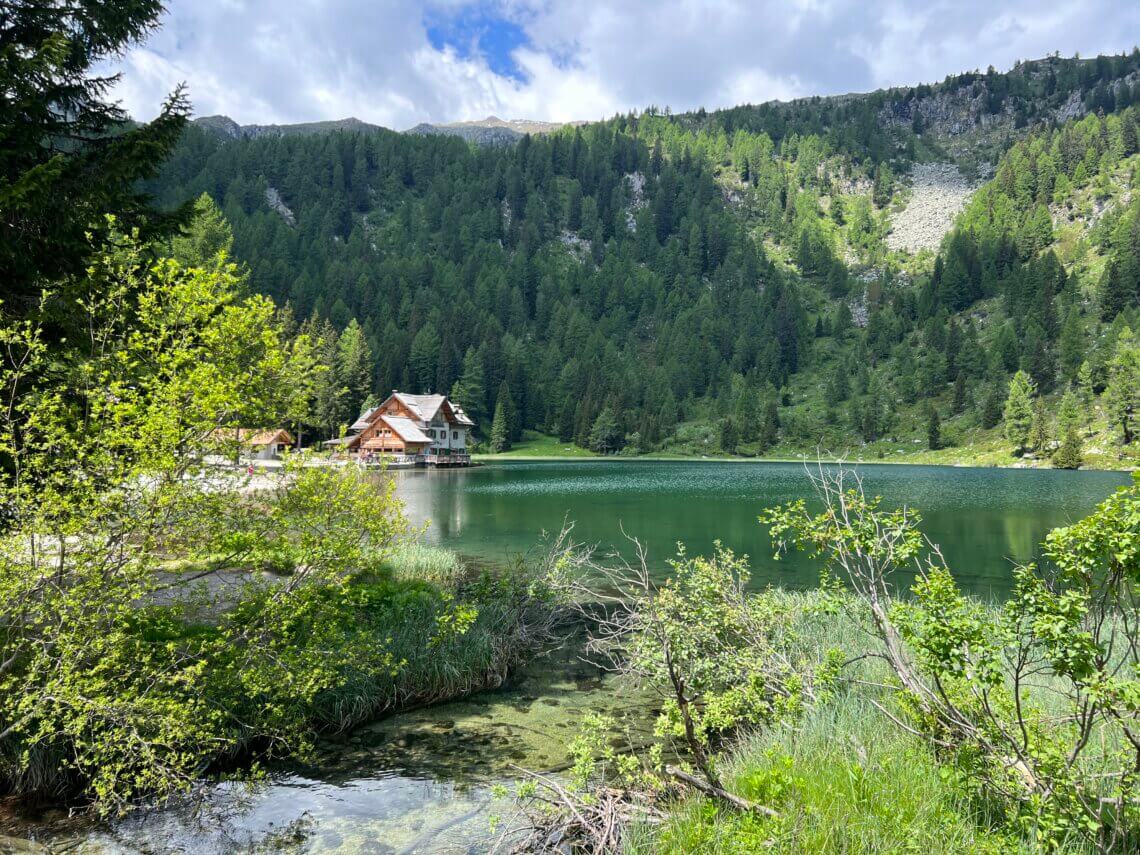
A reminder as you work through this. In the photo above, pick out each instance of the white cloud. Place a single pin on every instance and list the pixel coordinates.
(267, 61)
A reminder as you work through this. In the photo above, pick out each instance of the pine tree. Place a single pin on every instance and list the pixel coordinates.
(59, 177)
(424, 358)
(470, 390)
(605, 435)
(1070, 454)
(1069, 415)
(933, 430)
(354, 367)
(510, 412)
(729, 436)
(769, 425)
(1018, 412)
(960, 393)
(992, 407)
(329, 407)
(500, 430)
(1122, 394)
(1072, 345)
(1039, 433)
(207, 240)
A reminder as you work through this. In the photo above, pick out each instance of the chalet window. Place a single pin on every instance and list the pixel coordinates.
(455, 434)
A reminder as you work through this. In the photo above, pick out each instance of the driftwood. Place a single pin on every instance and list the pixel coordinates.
(555, 818)
(718, 792)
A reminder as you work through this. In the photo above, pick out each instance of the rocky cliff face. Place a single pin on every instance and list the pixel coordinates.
(491, 130)
(227, 127)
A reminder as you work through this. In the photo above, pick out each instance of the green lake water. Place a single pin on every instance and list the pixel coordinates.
(982, 518)
(424, 781)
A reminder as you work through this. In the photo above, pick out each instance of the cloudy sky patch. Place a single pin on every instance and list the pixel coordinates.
(401, 62)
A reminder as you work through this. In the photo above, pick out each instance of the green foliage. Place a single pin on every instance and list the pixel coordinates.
(105, 447)
(1070, 453)
(206, 240)
(933, 430)
(1122, 394)
(721, 652)
(605, 434)
(500, 429)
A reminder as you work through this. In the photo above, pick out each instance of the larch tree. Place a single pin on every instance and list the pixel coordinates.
(500, 429)
(1018, 412)
(354, 367)
(1122, 394)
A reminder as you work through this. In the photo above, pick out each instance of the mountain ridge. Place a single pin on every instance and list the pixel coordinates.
(489, 131)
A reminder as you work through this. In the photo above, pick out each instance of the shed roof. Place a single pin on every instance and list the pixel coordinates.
(253, 436)
(362, 422)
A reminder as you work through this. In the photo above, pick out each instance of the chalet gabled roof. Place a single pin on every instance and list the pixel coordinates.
(406, 429)
(424, 406)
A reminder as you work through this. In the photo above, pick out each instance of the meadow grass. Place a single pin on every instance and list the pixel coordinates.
(843, 777)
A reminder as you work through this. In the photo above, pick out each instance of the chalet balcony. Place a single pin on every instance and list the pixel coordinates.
(453, 459)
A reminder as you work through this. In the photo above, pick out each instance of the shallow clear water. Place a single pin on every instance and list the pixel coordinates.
(423, 781)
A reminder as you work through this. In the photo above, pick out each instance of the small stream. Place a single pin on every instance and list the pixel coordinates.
(417, 782)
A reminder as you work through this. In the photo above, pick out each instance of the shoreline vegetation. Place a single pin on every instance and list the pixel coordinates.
(646, 282)
(162, 620)
(854, 717)
(540, 447)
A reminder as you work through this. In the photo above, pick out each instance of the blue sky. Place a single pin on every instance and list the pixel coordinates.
(478, 32)
(400, 62)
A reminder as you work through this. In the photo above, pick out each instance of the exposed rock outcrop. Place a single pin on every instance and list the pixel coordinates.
(274, 200)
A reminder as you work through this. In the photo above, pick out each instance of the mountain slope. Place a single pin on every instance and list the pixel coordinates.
(744, 279)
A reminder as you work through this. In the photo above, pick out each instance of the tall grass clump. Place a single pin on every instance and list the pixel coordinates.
(416, 561)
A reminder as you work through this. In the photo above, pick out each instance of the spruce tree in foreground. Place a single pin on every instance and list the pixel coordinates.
(69, 156)
(1018, 413)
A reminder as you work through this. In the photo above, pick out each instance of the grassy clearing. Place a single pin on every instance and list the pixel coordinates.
(538, 445)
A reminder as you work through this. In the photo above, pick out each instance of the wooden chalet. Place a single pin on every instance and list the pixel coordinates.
(411, 430)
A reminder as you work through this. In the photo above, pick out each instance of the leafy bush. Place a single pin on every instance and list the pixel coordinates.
(1035, 704)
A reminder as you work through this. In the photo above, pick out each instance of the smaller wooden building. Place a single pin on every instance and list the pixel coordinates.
(258, 443)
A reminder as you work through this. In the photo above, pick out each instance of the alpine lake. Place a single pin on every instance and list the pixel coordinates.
(431, 780)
